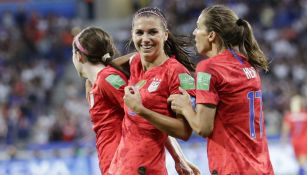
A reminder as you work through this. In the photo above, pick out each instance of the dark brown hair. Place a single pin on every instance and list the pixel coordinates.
(174, 45)
(97, 43)
(234, 31)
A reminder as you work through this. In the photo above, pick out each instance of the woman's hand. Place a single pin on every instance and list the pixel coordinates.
(186, 168)
(133, 99)
(88, 87)
(180, 101)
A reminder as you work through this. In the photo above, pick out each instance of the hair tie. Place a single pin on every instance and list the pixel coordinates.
(105, 57)
(240, 22)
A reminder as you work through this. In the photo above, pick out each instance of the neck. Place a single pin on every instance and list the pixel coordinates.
(156, 62)
(216, 49)
(91, 71)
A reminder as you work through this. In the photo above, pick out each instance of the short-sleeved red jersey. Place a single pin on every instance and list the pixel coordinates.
(141, 149)
(106, 111)
(297, 122)
(238, 143)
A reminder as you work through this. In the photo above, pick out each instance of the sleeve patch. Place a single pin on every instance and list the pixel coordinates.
(203, 81)
(186, 81)
(116, 81)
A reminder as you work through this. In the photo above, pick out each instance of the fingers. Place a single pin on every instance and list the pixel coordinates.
(170, 98)
(184, 92)
(88, 87)
(88, 83)
(129, 90)
(136, 91)
(173, 97)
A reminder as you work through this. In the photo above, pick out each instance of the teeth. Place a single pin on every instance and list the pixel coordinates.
(146, 47)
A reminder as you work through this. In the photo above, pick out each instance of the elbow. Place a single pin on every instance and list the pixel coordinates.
(185, 135)
(205, 131)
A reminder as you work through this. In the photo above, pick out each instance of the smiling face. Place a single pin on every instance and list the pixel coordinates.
(149, 35)
(202, 36)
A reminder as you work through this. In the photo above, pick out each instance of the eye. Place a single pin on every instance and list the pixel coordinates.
(153, 32)
(139, 32)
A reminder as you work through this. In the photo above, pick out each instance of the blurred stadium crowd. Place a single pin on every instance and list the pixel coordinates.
(39, 104)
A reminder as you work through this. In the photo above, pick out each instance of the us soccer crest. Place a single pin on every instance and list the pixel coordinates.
(154, 85)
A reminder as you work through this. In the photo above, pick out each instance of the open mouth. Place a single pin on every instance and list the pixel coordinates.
(146, 47)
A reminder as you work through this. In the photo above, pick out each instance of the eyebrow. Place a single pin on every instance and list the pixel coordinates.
(148, 29)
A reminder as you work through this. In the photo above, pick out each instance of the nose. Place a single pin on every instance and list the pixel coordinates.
(145, 38)
(194, 32)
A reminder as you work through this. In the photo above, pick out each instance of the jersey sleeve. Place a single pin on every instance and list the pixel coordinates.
(113, 87)
(181, 77)
(206, 84)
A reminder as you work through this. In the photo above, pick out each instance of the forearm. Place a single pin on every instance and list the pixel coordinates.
(173, 126)
(122, 59)
(174, 149)
(202, 119)
(192, 118)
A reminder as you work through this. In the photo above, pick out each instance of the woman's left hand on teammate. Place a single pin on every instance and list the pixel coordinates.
(133, 98)
(179, 101)
(88, 87)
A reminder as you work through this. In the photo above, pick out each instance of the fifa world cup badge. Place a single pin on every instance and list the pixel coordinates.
(154, 85)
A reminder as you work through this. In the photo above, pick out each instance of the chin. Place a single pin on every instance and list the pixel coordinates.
(81, 75)
(149, 57)
(200, 51)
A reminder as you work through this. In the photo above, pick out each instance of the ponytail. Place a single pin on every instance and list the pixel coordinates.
(108, 61)
(250, 47)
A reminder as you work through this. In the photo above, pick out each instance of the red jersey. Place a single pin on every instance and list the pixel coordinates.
(298, 131)
(238, 143)
(106, 110)
(141, 149)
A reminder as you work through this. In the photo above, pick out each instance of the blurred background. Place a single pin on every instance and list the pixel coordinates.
(44, 119)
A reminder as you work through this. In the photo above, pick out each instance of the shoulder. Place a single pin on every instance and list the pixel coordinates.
(180, 74)
(136, 58)
(111, 77)
(208, 65)
(175, 66)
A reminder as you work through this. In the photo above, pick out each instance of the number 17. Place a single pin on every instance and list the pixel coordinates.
(251, 95)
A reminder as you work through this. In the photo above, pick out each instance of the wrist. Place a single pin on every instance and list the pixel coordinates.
(187, 111)
(139, 109)
(178, 160)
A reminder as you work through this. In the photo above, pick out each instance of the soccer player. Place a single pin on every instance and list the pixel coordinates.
(295, 124)
(92, 54)
(156, 72)
(228, 94)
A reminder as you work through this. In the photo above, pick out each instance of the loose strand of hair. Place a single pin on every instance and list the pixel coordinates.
(109, 62)
(177, 46)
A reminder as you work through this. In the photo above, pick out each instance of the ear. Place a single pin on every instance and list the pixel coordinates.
(80, 57)
(212, 35)
(166, 35)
